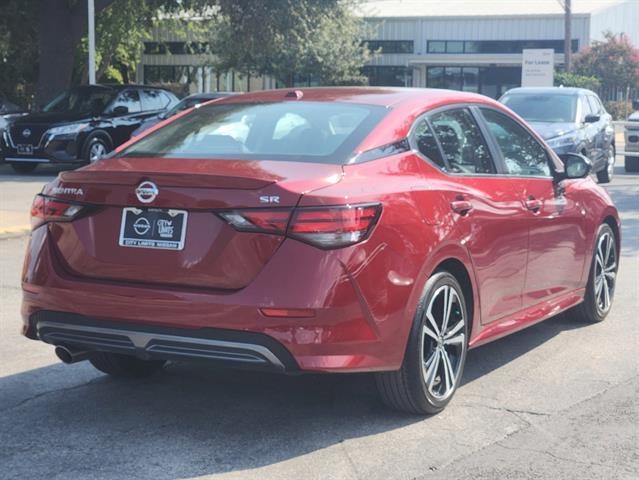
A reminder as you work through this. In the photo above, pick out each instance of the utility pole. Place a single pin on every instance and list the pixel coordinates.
(91, 18)
(568, 35)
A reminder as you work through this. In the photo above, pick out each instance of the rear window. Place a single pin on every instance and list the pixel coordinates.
(293, 131)
(547, 107)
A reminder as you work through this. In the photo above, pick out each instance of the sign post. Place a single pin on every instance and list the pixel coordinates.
(91, 28)
(538, 68)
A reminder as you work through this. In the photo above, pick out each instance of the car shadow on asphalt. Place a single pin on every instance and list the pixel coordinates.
(192, 420)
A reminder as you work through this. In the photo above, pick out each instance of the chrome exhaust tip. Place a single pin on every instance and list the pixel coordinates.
(68, 355)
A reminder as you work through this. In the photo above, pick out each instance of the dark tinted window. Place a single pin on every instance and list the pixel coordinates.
(390, 46)
(153, 100)
(387, 76)
(129, 99)
(426, 143)
(543, 107)
(296, 131)
(81, 100)
(462, 142)
(523, 154)
(496, 46)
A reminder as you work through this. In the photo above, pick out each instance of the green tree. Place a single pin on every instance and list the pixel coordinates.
(289, 38)
(18, 71)
(615, 62)
(569, 79)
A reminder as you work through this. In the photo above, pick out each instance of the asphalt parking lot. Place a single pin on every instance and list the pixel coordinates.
(559, 400)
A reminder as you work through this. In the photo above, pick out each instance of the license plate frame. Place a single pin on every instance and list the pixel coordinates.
(153, 228)
(24, 149)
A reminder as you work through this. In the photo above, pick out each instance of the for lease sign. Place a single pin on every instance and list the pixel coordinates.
(538, 67)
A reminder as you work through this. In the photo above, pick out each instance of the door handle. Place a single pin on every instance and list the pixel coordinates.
(461, 206)
(533, 204)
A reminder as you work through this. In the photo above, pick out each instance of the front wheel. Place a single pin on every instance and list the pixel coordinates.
(602, 279)
(435, 354)
(95, 149)
(605, 175)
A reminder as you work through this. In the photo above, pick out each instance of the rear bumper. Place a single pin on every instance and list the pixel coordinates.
(353, 329)
(225, 347)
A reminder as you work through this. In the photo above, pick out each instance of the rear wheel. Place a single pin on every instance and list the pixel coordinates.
(435, 354)
(24, 167)
(605, 175)
(118, 365)
(602, 280)
(632, 164)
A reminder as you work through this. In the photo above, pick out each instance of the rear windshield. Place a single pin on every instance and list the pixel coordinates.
(293, 131)
(550, 108)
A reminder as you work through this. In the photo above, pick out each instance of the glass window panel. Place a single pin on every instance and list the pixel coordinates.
(454, 47)
(435, 77)
(523, 154)
(462, 142)
(427, 145)
(453, 78)
(436, 46)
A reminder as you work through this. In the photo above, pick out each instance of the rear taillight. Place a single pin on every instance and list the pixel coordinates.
(47, 209)
(324, 227)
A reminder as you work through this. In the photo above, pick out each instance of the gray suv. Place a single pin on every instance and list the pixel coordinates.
(632, 140)
(570, 120)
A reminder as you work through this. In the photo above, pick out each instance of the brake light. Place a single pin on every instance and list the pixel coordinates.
(324, 227)
(334, 227)
(47, 209)
(265, 220)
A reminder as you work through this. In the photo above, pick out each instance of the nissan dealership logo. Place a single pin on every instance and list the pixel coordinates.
(26, 133)
(147, 191)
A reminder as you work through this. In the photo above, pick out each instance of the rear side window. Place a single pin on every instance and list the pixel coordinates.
(523, 154)
(129, 99)
(427, 144)
(294, 131)
(153, 100)
(462, 142)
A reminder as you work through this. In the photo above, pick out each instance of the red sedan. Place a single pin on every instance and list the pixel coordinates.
(320, 230)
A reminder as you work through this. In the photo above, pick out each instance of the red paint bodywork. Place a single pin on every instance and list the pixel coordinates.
(523, 267)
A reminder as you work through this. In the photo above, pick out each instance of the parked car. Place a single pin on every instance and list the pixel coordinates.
(570, 120)
(81, 125)
(185, 103)
(320, 230)
(631, 134)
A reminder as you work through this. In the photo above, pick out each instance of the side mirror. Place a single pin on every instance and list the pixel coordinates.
(592, 118)
(575, 166)
(121, 110)
(635, 104)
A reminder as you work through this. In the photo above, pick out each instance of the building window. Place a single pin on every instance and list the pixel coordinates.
(384, 76)
(390, 46)
(490, 81)
(176, 48)
(495, 46)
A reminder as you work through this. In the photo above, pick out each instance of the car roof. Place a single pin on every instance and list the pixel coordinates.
(547, 90)
(390, 97)
(119, 86)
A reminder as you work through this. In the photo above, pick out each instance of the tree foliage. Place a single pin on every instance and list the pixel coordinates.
(615, 62)
(569, 79)
(289, 38)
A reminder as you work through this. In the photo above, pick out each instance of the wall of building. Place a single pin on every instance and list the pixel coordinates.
(623, 17)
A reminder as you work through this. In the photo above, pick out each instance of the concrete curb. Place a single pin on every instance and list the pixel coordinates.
(15, 231)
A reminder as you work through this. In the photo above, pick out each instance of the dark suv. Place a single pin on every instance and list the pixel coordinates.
(571, 120)
(80, 125)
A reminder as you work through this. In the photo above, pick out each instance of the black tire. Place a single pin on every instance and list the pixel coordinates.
(591, 309)
(631, 164)
(406, 389)
(118, 365)
(23, 168)
(605, 175)
(92, 143)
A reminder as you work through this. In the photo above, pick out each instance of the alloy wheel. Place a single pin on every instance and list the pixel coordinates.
(443, 342)
(605, 271)
(97, 151)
